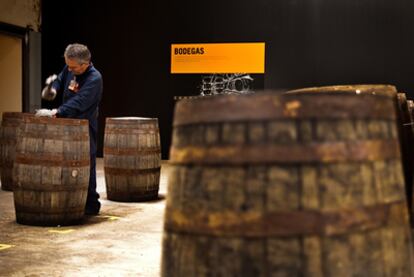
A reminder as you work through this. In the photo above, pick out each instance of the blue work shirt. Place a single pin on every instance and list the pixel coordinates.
(80, 100)
(81, 97)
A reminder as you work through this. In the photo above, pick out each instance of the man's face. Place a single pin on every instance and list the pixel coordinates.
(75, 67)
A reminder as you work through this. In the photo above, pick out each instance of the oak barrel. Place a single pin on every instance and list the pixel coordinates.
(403, 122)
(132, 158)
(9, 133)
(286, 185)
(51, 171)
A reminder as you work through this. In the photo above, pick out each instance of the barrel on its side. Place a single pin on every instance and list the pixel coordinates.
(51, 171)
(132, 158)
(9, 133)
(301, 185)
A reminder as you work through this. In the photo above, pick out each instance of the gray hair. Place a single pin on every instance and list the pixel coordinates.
(78, 52)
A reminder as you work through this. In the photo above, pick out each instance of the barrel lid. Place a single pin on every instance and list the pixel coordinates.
(375, 89)
(130, 120)
(270, 105)
(29, 118)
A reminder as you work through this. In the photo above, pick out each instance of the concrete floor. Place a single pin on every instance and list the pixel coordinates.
(124, 240)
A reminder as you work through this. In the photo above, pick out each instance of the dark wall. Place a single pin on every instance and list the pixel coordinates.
(129, 45)
(308, 43)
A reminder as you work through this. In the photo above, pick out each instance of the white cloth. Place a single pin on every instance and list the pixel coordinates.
(46, 112)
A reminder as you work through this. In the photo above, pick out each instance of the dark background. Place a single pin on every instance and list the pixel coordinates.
(308, 43)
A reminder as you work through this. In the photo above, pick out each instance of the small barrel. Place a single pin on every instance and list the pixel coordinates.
(286, 185)
(9, 133)
(132, 158)
(51, 171)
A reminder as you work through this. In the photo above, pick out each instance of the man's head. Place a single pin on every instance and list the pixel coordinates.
(77, 58)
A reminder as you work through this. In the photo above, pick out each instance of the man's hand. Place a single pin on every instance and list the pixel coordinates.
(49, 93)
(46, 112)
(50, 79)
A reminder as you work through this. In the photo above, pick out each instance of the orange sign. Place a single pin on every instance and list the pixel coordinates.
(218, 58)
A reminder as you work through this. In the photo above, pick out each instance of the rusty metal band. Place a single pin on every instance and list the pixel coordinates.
(133, 151)
(46, 210)
(7, 185)
(285, 223)
(131, 121)
(49, 160)
(15, 123)
(130, 131)
(8, 141)
(54, 121)
(13, 119)
(6, 165)
(56, 136)
(7, 115)
(23, 187)
(133, 195)
(369, 150)
(271, 106)
(130, 171)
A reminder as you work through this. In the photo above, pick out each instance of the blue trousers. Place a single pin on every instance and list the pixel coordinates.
(93, 195)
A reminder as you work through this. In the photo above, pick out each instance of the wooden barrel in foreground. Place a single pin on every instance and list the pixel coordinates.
(301, 185)
(51, 171)
(132, 158)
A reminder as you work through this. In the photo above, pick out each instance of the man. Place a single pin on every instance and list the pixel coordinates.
(81, 85)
